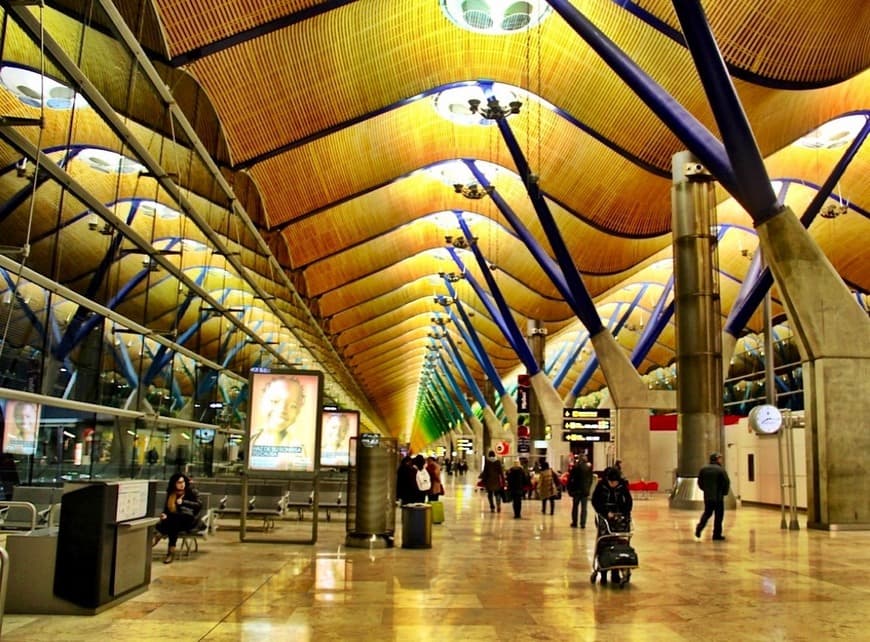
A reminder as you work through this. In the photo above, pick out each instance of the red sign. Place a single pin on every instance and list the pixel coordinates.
(523, 431)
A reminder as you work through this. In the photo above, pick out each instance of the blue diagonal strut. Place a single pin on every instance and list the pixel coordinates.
(755, 287)
(752, 183)
(579, 299)
(514, 334)
(677, 118)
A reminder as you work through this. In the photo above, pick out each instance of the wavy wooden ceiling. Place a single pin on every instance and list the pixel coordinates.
(325, 109)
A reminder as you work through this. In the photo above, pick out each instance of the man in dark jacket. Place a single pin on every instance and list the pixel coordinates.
(713, 480)
(516, 481)
(579, 485)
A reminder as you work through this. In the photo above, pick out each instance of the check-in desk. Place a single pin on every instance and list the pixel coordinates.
(99, 556)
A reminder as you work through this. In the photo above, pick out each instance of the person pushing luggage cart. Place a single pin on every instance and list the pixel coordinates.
(614, 554)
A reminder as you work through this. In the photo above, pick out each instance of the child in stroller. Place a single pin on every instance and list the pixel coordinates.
(612, 502)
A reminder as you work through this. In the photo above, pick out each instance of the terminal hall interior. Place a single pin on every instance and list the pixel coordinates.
(626, 228)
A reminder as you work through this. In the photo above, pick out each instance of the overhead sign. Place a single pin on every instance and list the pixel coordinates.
(464, 444)
(585, 436)
(586, 424)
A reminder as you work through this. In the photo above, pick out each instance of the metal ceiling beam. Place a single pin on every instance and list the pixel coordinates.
(31, 25)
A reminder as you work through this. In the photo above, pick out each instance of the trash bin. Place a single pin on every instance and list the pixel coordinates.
(416, 526)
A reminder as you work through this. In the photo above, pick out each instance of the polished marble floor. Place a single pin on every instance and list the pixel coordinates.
(491, 577)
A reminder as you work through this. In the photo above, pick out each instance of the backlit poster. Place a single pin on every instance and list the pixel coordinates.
(283, 419)
(338, 427)
(20, 427)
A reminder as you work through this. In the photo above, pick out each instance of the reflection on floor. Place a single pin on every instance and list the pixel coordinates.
(491, 577)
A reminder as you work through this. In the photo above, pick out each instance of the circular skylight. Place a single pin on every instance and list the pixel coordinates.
(152, 208)
(28, 86)
(109, 162)
(456, 172)
(453, 103)
(834, 133)
(446, 220)
(495, 17)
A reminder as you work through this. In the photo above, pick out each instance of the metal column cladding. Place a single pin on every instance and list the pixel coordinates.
(698, 320)
(371, 515)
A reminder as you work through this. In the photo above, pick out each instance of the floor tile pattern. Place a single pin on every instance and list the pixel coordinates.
(491, 577)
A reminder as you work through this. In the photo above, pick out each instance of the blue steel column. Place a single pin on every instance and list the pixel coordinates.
(522, 350)
(489, 418)
(679, 120)
(551, 404)
(760, 279)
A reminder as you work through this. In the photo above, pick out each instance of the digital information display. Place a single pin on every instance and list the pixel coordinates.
(586, 425)
(284, 419)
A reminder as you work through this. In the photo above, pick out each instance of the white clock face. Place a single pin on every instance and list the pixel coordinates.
(765, 419)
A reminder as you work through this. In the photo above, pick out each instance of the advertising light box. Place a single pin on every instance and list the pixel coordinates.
(284, 419)
(338, 428)
(21, 423)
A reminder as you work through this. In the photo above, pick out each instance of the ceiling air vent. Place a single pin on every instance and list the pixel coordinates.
(476, 14)
(495, 17)
(517, 16)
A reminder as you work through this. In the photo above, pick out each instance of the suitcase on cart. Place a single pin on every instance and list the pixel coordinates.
(617, 555)
(437, 512)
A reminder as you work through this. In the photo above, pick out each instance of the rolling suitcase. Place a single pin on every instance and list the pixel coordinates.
(437, 512)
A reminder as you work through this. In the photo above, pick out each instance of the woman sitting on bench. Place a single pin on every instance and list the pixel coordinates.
(180, 512)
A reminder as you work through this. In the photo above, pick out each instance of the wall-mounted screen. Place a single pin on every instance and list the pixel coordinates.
(20, 426)
(283, 419)
(338, 427)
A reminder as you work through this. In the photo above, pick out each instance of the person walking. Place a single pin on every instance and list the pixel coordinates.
(548, 488)
(492, 477)
(579, 484)
(713, 480)
(516, 481)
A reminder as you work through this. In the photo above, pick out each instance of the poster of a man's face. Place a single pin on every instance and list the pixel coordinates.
(338, 427)
(20, 427)
(283, 420)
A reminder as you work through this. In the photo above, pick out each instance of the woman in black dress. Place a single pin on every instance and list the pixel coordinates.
(180, 512)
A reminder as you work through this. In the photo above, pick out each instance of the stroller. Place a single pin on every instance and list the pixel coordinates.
(613, 551)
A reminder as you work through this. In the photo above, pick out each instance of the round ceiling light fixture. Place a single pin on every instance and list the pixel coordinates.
(496, 17)
(834, 133)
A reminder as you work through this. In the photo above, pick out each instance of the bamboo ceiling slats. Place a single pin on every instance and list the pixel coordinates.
(326, 113)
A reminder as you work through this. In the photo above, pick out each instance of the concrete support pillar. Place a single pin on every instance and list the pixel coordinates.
(632, 402)
(698, 321)
(834, 339)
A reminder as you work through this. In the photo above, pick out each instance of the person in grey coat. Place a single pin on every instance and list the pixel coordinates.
(713, 480)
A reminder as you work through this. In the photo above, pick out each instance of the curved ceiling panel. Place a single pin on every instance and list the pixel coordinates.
(323, 118)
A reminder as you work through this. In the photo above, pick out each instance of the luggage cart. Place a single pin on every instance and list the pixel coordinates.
(613, 551)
